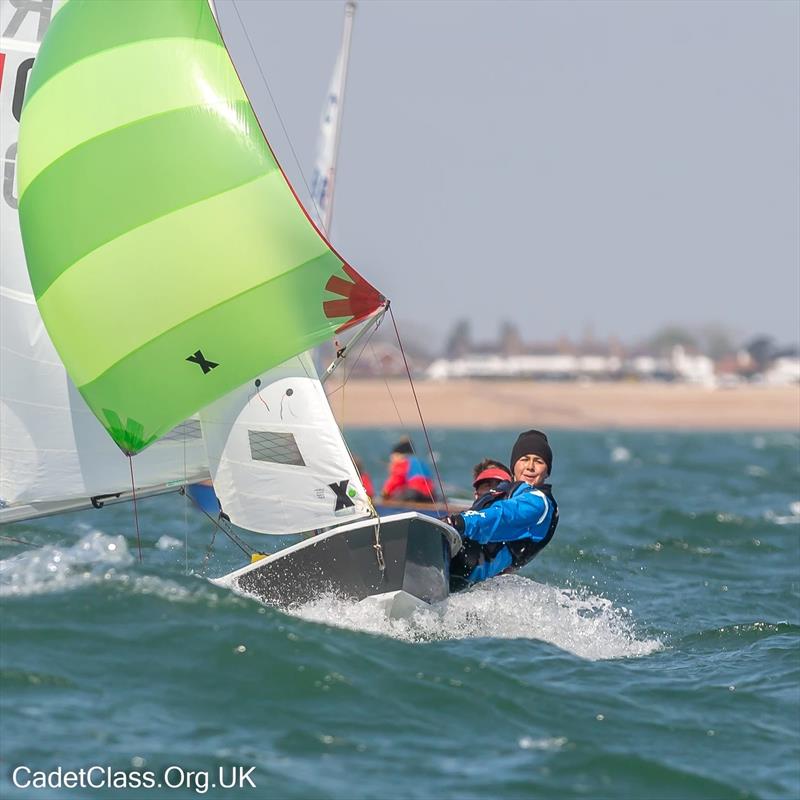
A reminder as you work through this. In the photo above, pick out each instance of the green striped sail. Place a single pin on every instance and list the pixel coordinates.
(169, 257)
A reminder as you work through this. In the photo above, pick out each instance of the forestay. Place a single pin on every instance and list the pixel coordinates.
(277, 458)
(168, 255)
(53, 453)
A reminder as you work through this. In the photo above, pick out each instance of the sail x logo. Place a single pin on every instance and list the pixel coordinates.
(199, 359)
(340, 490)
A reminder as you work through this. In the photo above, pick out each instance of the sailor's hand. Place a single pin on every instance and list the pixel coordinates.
(455, 521)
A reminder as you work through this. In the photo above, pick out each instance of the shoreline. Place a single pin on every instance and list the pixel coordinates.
(576, 406)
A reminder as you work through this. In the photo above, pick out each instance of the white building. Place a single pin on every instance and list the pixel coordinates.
(783, 371)
(550, 366)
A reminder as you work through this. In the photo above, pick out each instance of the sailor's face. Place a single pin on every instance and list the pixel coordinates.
(532, 469)
(486, 486)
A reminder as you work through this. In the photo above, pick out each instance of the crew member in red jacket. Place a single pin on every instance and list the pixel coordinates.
(409, 477)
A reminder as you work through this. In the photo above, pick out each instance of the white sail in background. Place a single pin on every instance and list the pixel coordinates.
(322, 182)
(277, 458)
(54, 453)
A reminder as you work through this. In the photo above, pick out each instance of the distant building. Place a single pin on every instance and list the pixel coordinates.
(692, 367)
(783, 370)
(552, 366)
(663, 358)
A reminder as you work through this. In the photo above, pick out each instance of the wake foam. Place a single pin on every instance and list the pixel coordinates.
(55, 568)
(508, 607)
(95, 558)
(793, 518)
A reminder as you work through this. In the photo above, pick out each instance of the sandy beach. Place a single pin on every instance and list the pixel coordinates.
(592, 406)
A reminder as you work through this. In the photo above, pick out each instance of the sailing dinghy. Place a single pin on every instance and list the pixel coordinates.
(179, 278)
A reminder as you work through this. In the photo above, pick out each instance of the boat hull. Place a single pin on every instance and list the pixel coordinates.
(344, 562)
(438, 510)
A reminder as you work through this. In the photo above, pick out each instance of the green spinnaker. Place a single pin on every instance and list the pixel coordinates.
(169, 257)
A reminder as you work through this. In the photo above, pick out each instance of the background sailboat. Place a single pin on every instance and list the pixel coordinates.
(323, 182)
(323, 186)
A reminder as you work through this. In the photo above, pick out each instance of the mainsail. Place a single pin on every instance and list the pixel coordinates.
(54, 455)
(170, 260)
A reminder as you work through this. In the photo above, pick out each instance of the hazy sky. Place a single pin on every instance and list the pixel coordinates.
(569, 166)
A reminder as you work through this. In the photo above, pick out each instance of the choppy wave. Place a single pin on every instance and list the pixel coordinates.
(95, 558)
(742, 633)
(690, 542)
(510, 607)
(792, 518)
(52, 568)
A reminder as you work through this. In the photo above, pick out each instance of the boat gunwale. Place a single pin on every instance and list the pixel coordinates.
(453, 539)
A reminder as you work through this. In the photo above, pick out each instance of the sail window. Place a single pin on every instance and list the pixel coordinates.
(279, 448)
(189, 429)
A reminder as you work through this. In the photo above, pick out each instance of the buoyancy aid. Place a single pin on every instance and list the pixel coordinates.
(409, 474)
(522, 551)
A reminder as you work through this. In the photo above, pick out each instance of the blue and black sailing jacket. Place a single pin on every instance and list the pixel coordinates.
(503, 531)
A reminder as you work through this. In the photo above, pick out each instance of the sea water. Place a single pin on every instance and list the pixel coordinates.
(650, 651)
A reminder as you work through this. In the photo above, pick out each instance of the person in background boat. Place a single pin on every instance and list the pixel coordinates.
(508, 526)
(409, 477)
(365, 478)
(488, 475)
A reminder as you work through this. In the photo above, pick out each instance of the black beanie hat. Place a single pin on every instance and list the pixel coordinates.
(535, 443)
(404, 447)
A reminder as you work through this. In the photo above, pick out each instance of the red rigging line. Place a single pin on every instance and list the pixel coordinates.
(357, 300)
(314, 225)
(135, 509)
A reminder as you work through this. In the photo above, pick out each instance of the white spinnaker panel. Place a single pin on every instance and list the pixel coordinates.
(277, 458)
(51, 446)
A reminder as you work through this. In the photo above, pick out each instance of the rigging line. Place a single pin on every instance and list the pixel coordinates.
(355, 363)
(185, 515)
(372, 510)
(419, 411)
(20, 541)
(369, 327)
(389, 391)
(403, 425)
(277, 110)
(237, 540)
(135, 509)
(230, 534)
(209, 550)
(344, 383)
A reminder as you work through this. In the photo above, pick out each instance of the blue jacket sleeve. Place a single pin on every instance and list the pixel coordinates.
(525, 515)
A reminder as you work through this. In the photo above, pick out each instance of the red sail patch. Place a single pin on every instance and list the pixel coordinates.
(359, 298)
